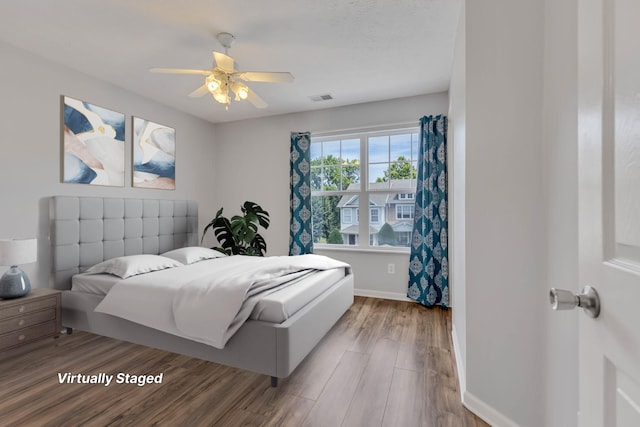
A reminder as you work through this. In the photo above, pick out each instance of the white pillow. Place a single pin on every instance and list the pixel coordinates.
(126, 266)
(192, 254)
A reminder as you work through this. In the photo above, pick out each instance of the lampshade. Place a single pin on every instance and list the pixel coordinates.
(17, 252)
(212, 83)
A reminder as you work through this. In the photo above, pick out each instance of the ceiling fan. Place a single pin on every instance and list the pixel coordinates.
(223, 79)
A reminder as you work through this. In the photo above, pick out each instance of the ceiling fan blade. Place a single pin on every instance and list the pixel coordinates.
(201, 91)
(264, 76)
(224, 62)
(179, 71)
(254, 99)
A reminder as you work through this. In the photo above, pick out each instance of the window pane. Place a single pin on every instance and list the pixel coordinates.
(415, 144)
(331, 149)
(350, 175)
(378, 149)
(395, 219)
(316, 178)
(401, 147)
(351, 150)
(326, 220)
(331, 178)
(316, 151)
(399, 170)
(378, 173)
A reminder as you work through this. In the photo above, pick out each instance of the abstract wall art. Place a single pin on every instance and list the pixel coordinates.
(92, 144)
(154, 155)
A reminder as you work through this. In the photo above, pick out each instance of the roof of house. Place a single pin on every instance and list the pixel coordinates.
(354, 229)
(378, 198)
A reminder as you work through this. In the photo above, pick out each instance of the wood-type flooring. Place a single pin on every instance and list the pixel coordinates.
(385, 363)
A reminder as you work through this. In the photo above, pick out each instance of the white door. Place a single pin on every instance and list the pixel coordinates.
(609, 207)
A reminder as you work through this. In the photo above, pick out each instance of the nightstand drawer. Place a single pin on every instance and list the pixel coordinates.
(10, 310)
(27, 334)
(27, 320)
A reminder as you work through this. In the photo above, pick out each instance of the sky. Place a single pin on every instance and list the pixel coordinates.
(381, 150)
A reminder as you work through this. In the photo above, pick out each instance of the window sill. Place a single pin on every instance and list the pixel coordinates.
(330, 248)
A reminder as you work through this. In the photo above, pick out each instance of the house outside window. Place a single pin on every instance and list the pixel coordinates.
(346, 216)
(375, 171)
(374, 215)
(404, 211)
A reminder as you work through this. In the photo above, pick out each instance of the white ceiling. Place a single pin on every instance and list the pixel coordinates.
(356, 50)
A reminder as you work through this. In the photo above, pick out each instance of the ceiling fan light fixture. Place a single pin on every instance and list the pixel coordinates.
(221, 81)
(241, 91)
(212, 84)
(221, 97)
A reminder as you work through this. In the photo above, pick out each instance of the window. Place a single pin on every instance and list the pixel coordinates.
(404, 211)
(375, 216)
(346, 215)
(368, 170)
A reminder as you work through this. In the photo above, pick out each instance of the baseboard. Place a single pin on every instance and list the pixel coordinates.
(381, 294)
(488, 413)
(462, 375)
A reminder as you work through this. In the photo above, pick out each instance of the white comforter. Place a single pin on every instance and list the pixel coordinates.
(207, 301)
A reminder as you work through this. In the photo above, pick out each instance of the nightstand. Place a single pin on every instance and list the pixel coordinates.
(30, 318)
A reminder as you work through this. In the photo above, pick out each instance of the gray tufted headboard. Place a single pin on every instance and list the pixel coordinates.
(89, 230)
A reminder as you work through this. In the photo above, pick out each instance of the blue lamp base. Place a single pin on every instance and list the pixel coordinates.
(14, 283)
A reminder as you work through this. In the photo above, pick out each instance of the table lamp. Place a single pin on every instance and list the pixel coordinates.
(15, 283)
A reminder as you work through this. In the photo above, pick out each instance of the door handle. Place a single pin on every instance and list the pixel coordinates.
(588, 300)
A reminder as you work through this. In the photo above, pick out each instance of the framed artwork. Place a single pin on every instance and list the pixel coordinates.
(92, 144)
(154, 155)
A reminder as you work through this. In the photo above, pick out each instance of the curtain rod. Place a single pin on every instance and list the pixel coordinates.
(365, 128)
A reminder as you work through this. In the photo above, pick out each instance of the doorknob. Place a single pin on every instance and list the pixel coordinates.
(588, 300)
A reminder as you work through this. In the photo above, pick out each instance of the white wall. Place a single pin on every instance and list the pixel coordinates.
(253, 164)
(457, 195)
(561, 172)
(30, 117)
(504, 219)
(514, 119)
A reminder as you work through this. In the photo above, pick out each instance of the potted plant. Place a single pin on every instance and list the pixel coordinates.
(239, 235)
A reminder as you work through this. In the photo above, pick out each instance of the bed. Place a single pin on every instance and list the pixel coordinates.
(87, 230)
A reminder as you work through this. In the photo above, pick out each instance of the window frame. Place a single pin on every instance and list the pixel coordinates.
(403, 206)
(377, 211)
(344, 215)
(364, 193)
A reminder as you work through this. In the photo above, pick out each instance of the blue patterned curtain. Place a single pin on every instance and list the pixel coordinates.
(300, 239)
(429, 263)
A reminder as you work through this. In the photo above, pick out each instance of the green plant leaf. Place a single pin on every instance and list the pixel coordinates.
(224, 233)
(259, 245)
(211, 224)
(261, 214)
(239, 235)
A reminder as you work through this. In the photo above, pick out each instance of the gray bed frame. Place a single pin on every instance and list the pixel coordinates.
(88, 230)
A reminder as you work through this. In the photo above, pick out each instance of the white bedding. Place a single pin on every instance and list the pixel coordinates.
(275, 307)
(99, 284)
(209, 300)
(284, 303)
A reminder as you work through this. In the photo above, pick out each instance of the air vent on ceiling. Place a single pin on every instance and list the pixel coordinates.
(318, 98)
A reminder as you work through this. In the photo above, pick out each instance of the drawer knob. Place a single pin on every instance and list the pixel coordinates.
(21, 309)
(21, 322)
(20, 337)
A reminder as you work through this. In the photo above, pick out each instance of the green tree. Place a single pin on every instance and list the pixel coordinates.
(328, 172)
(335, 237)
(400, 169)
(386, 235)
(325, 217)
